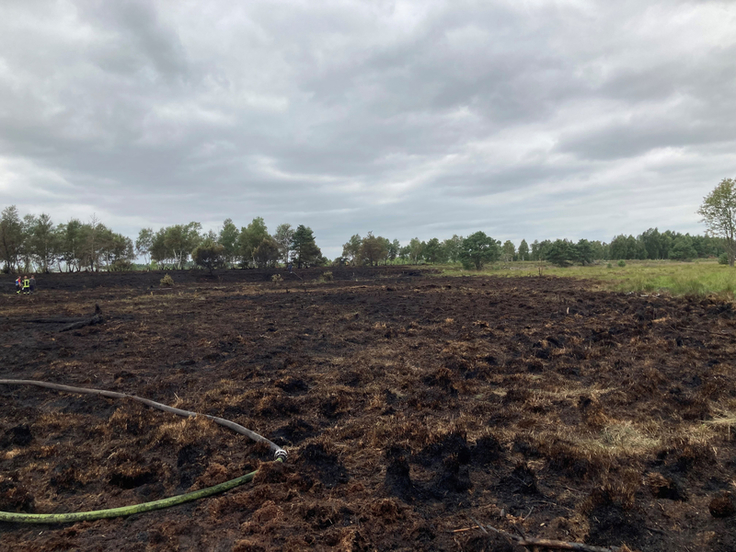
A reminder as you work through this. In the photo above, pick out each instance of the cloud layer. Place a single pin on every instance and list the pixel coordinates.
(523, 118)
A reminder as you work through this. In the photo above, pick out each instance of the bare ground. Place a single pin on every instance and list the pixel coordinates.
(409, 404)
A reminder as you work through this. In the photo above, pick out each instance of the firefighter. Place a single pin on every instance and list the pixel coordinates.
(26, 285)
(33, 283)
(17, 284)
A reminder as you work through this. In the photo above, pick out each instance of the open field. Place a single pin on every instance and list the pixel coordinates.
(702, 277)
(410, 404)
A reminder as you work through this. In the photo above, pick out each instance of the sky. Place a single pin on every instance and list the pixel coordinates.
(535, 119)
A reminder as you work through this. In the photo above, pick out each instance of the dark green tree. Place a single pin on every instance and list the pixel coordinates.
(561, 253)
(434, 252)
(306, 252)
(267, 253)
(209, 254)
(372, 249)
(478, 250)
(682, 249)
(584, 252)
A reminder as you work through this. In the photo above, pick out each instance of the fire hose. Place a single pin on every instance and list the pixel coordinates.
(17, 517)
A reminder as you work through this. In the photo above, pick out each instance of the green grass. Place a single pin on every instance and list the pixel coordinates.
(700, 278)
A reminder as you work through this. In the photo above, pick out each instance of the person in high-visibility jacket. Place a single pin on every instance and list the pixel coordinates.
(26, 285)
(18, 284)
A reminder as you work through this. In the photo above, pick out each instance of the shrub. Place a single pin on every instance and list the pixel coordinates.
(622, 263)
(276, 278)
(723, 259)
(167, 281)
(609, 265)
(209, 255)
(326, 277)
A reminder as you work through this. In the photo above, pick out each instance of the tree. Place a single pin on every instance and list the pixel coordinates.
(584, 252)
(351, 249)
(373, 249)
(250, 238)
(508, 250)
(561, 253)
(539, 250)
(415, 250)
(719, 214)
(283, 236)
(228, 239)
(434, 252)
(180, 240)
(117, 251)
(523, 251)
(306, 252)
(11, 237)
(479, 249)
(267, 253)
(43, 242)
(91, 244)
(159, 253)
(393, 250)
(70, 247)
(209, 254)
(144, 243)
(682, 249)
(452, 247)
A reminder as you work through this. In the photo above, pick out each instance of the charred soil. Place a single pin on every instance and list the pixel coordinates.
(409, 403)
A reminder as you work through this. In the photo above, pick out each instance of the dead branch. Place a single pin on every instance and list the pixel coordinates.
(96, 319)
(546, 543)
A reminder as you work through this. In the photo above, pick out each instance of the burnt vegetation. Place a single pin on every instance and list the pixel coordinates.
(410, 404)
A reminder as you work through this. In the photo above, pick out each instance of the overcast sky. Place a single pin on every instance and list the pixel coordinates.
(522, 118)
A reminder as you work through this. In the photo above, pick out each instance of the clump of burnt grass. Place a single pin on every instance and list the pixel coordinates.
(186, 431)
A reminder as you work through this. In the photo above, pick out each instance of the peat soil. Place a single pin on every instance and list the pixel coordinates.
(411, 405)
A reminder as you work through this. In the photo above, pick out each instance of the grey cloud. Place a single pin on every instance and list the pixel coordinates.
(405, 118)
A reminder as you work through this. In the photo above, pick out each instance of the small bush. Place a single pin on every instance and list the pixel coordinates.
(326, 277)
(167, 281)
(622, 263)
(723, 259)
(276, 278)
(609, 265)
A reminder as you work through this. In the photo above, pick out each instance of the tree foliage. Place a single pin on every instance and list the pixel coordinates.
(306, 252)
(228, 239)
(283, 236)
(209, 254)
(719, 214)
(479, 250)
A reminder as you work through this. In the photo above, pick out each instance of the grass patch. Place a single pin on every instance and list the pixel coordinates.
(700, 278)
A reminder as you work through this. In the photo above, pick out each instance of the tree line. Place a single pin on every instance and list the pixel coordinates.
(35, 243)
(479, 249)
(248, 247)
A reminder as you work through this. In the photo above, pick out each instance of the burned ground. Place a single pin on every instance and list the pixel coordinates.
(410, 405)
